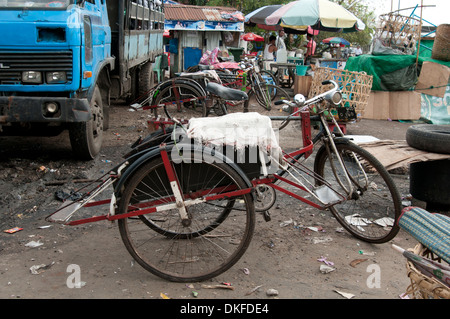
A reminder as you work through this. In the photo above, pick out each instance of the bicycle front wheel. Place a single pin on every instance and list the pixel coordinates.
(371, 212)
(266, 95)
(216, 236)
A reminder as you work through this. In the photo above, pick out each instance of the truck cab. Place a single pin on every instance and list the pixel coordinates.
(62, 62)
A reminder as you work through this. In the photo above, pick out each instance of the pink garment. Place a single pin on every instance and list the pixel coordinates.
(226, 65)
(311, 47)
(210, 58)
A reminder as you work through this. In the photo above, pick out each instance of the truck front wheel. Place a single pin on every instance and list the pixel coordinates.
(86, 138)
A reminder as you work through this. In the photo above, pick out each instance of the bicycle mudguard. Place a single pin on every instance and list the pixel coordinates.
(155, 152)
(337, 140)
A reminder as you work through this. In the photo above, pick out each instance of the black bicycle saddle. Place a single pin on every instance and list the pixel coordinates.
(226, 93)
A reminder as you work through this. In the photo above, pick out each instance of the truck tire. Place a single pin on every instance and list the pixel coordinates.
(429, 137)
(146, 79)
(86, 138)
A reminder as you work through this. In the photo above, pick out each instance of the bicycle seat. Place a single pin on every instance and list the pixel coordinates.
(226, 93)
(203, 67)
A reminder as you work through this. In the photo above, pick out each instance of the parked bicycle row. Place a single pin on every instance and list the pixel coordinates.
(201, 92)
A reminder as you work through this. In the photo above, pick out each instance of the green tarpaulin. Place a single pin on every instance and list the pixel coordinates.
(390, 72)
(399, 73)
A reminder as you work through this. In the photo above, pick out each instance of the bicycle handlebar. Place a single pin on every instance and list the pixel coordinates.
(323, 95)
(318, 98)
(331, 82)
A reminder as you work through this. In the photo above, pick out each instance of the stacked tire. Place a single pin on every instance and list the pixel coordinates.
(430, 180)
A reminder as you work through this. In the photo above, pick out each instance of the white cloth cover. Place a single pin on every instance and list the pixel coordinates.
(238, 129)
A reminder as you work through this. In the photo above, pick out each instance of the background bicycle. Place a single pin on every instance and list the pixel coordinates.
(190, 96)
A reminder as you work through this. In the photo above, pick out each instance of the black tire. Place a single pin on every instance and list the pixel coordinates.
(176, 91)
(266, 95)
(230, 79)
(86, 138)
(219, 232)
(146, 80)
(429, 137)
(271, 75)
(371, 201)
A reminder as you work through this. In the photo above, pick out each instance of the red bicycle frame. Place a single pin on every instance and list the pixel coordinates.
(180, 201)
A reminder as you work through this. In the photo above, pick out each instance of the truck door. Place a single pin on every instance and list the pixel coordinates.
(96, 37)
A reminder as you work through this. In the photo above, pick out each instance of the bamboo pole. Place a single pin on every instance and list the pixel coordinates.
(420, 34)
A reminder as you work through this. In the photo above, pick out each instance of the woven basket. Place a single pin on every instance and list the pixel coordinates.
(441, 47)
(424, 287)
(355, 88)
(398, 32)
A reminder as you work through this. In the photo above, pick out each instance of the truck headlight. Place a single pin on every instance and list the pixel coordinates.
(31, 77)
(56, 77)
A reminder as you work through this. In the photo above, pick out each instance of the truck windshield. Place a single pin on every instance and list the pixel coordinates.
(36, 4)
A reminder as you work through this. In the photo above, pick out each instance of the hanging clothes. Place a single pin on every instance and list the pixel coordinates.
(282, 51)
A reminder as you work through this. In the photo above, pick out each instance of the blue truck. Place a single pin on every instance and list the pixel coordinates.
(63, 62)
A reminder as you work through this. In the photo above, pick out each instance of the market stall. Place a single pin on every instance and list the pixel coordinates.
(194, 30)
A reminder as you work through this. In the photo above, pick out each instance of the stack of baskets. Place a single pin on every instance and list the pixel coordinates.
(355, 88)
(422, 286)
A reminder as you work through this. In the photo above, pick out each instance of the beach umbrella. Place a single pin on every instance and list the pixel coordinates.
(336, 40)
(319, 14)
(251, 37)
(258, 16)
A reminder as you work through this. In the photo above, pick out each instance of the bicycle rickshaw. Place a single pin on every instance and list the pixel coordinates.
(186, 204)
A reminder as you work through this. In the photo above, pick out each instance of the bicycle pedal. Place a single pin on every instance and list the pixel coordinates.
(266, 216)
(326, 195)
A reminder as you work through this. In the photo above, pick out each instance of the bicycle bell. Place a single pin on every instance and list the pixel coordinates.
(299, 99)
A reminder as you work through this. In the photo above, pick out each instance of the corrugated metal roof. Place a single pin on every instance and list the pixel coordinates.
(195, 13)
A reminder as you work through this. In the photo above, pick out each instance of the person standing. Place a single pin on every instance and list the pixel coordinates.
(345, 53)
(269, 51)
(310, 48)
(358, 51)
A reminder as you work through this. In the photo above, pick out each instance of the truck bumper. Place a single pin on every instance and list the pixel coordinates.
(36, 109)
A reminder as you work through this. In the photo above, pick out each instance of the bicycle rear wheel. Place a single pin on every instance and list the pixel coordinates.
(218, 233)
(181, 99)
(269, 77)
(375, 205)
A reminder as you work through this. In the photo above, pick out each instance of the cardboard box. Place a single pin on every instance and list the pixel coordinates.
(433, 79)
(378, 106)
(302, 84)
(394, 105)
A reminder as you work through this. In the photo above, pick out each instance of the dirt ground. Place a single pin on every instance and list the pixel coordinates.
(284, 258)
